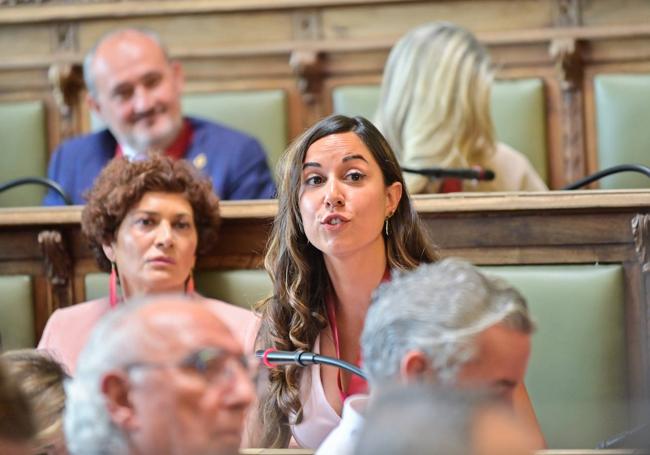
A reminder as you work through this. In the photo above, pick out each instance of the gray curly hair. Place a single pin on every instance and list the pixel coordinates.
(113, 344)
(437, 309)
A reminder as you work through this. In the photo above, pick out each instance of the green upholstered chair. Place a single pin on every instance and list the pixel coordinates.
(16, 312)
(243, 288)
(96, 285)
(23, 145)
(519, 116)
(577, 373)
(518, 112)
(353, 100)
(622, 113)
(239, 287)
(262, 114)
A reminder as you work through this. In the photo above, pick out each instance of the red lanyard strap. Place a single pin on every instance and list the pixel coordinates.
(331, 316)
(357, 384)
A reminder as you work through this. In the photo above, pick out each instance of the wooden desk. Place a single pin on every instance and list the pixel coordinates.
(539, 452)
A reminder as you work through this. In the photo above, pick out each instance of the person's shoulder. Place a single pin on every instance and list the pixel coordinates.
(230, 313)
(68, 329)
(505, 152)
(244, 324)
(208, 128)
(507, 159)
(517, 167)
(86, 142)
(343, 438)
(81, 312)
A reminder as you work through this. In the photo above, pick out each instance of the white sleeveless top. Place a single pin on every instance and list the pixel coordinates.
(318, 416)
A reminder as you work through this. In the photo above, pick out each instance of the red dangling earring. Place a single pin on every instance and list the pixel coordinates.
(189, 285)
(113, 282)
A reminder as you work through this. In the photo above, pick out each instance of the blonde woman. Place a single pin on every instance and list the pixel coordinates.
(434, 110)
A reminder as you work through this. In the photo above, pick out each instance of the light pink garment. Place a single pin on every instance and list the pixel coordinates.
(319, 418)
(68, 329)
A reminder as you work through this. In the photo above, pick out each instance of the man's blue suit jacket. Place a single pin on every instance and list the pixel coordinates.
(235, 162)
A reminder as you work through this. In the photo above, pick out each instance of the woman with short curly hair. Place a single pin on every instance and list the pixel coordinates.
(146, 222)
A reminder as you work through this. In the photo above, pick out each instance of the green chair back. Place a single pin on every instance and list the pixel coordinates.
(16, 312)
(243, 288)
(577, 372)
(262, 114)
(518, 112)
(23, 144)
(622, 113)
(519, 116)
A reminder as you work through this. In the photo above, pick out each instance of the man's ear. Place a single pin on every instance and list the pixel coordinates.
(414, 367)
(116, 388)
(178, 74)
(92, 104)
(109, 252)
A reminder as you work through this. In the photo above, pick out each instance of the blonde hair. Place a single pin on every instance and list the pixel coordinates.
(434, 107)
(40, 377)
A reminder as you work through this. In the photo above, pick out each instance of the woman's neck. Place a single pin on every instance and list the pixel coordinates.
(354, 278)
(129, 291)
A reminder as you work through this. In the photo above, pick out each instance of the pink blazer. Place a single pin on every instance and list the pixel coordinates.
(68, 329)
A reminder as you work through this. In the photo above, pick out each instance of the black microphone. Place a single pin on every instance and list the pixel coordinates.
(271, 357)
(463, 174)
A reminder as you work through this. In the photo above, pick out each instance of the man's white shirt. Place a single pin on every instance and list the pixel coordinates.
(343, 439)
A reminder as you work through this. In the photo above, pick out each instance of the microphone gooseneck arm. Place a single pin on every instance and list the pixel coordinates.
(639, 168)
(37, 181)
(272, 358)
(626, 439)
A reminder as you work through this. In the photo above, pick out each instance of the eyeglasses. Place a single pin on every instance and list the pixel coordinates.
(217, 366)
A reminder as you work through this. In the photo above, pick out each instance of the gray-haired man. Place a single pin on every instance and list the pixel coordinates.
(444, 323)
(159, 376)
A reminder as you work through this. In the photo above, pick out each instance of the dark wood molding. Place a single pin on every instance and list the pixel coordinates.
(641, 232)
(58, 268)
(567, 13)
(569, 72)
(67, 88)
(307, 65)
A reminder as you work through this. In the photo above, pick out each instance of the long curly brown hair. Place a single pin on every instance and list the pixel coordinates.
(295, 314)
(122, 184)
